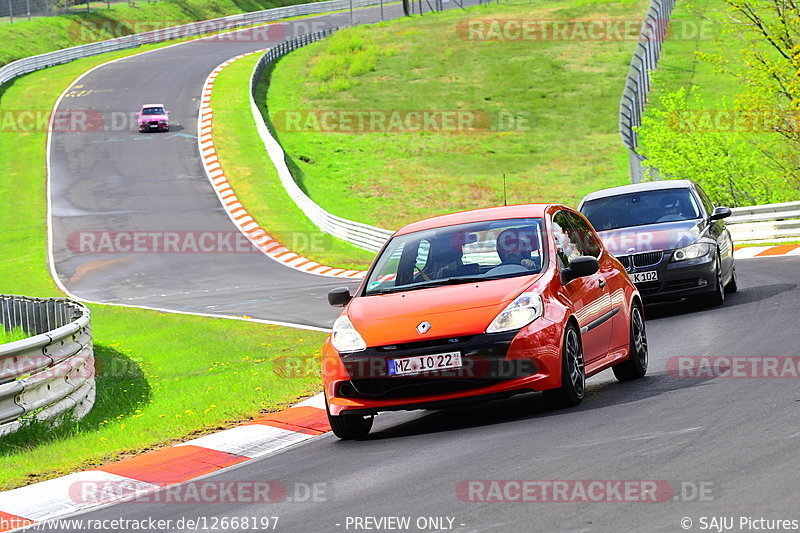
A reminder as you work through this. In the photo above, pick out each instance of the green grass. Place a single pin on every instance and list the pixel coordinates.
(566, 91)
(14, 334)
(775, 243)
(47, 34)
(162, 377)
(253, 176)
(679, 65)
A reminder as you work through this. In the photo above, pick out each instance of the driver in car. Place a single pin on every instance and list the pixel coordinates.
(514, 246)
(671, 209)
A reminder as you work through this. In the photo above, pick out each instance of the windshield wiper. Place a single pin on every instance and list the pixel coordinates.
(433, 283)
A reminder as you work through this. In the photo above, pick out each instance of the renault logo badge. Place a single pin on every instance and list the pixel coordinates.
(423, 327)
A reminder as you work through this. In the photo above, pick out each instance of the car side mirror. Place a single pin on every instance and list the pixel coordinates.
(585, 265)
(720, 213)
(339, 297)
(138, 113)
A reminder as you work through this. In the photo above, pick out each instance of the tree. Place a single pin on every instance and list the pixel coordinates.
(748, 150)
(683, 139)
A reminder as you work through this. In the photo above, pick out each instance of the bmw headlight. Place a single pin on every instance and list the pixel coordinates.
(526, 308)
(345, 338)
(693, 251)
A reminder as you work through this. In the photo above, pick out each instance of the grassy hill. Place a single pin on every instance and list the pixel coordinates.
(544, 110)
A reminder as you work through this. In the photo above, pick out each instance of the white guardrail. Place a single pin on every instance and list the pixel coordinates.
(361, 235)
(51, 373)
(31, 64)
(765, 223)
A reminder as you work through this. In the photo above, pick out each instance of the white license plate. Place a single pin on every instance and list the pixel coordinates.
(424, 363)
(642, 277)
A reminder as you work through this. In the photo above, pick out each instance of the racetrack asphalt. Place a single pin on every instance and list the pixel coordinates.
(727, 446)
(734, 439)
(114, 179)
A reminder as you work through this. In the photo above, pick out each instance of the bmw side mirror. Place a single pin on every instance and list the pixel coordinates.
(339, 297)
(720, 213)
(585, 265)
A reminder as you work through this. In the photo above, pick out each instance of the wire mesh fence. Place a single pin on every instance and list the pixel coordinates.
(12, 11)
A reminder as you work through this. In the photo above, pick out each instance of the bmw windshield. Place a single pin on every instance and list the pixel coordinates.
(641, 209)
(463, 253)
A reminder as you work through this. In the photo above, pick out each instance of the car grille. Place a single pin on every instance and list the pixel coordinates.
(434, 343)
(408, 387)
(483, 357)
(641, 260)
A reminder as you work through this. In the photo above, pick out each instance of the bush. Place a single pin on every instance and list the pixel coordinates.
(682, 139)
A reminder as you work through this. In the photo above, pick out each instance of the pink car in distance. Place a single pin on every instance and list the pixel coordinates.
(153, 117)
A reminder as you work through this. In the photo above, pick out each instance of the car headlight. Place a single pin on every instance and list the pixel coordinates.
(693, 251)
(526, 308)
(345, 338)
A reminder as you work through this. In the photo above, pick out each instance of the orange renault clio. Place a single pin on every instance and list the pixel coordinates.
(480, 305)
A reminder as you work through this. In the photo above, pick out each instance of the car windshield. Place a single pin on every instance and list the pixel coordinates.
(153, 111)
(463, 253)
(641, 209)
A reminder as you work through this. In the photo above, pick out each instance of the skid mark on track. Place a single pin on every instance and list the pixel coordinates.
(644, 436)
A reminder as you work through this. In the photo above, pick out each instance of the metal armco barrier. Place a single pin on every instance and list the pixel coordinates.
(771, 222)
(637, 82)
(31, 64)
(361, 235)
(51, 372)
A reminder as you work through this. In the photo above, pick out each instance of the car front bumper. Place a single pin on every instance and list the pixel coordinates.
(676, 280)
(495, 366)
(152, 126)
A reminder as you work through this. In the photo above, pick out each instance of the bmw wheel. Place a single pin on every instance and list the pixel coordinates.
(732, 285)
(718, 296)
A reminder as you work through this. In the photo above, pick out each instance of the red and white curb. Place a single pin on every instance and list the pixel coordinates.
(149, 472)
(237, 213)
(749, 252)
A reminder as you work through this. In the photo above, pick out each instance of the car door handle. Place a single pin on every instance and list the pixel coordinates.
(602, 283)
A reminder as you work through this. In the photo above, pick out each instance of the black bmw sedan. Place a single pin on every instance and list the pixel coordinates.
(670, 237)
